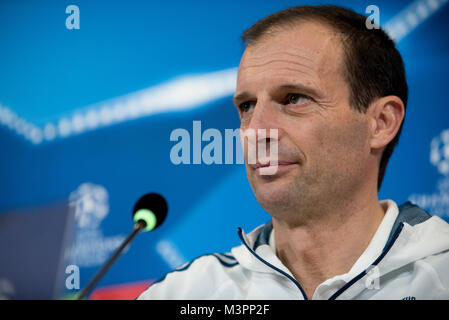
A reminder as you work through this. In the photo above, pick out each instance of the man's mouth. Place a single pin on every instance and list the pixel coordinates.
(270, 168)
(265, 164)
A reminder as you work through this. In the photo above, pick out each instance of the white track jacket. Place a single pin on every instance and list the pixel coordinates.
(407, 258)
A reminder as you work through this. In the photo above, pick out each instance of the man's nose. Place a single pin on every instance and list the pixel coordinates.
(261, 136)
(264, 118)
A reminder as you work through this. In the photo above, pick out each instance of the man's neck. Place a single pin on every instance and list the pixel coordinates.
(319, 249)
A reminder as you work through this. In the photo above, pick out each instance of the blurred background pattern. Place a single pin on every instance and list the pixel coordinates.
(86, 116)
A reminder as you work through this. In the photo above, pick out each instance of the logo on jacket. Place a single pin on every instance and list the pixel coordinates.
(438, 202)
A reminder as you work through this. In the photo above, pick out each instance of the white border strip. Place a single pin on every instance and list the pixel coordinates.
(181, 94)
(411, 17)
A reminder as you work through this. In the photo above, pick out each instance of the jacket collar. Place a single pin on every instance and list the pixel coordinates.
(396, 232)
(406, 213)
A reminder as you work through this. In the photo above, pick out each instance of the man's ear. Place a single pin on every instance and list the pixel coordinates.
(385, 115)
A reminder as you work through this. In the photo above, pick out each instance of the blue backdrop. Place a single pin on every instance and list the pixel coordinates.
(86, 116)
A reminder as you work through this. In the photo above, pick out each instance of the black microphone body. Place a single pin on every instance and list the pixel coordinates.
(137, 228)
(149, 213)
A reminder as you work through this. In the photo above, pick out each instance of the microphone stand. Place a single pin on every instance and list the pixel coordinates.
(138, 226)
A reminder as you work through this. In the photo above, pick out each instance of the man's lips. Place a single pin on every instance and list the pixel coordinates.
(274, 164)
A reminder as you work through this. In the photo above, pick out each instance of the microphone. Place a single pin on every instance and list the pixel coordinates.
(149, 213)
(151, 209)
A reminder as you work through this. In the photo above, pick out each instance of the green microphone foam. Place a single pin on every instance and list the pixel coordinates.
(148, 216)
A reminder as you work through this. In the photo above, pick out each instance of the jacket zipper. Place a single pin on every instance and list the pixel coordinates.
(347, 285)
(240, 232)
(375, 263)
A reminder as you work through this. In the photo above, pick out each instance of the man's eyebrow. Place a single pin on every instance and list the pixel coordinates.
(299, 88)
(241, 97)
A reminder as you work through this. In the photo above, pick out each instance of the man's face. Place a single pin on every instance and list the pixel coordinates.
(293, 81)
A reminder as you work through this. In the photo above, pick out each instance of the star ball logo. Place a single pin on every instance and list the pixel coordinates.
(439, 152)
(89, 205)
(438, 202)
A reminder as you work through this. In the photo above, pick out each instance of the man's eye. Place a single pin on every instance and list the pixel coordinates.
(246, 106)
(295, 98)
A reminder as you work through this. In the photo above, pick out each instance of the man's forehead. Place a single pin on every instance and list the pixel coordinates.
(310, 42)
(308, 56)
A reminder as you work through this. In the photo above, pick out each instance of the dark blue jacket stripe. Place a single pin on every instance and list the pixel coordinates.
(264, 236)
(240, 232)
(222, 262)
(409, 213)
(375, 263)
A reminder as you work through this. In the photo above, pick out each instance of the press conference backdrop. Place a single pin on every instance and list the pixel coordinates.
(87, 109)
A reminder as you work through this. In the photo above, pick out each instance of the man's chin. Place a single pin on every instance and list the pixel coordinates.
(273, 194)
(274, 190)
